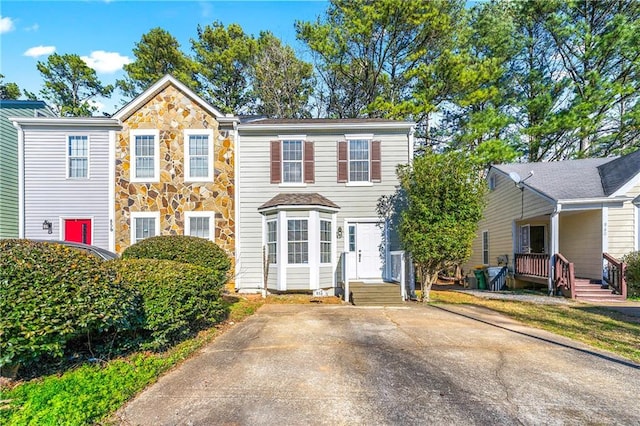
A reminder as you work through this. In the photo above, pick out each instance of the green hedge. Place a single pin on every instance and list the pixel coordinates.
(633, 273)
(50, 294)
(178, 298)
(181, 248)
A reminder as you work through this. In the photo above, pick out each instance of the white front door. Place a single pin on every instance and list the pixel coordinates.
(365, 260)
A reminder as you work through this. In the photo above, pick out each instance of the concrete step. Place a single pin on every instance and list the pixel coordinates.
(375, 294)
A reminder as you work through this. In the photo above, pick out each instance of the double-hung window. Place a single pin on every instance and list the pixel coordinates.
(78, 157)
(325, 241)
(485, 247)
(200, 224)
(144, 225)
(145, 155)
(272, 241)
(298, 241)
(198, 155)
(292, 161)
(359, 160)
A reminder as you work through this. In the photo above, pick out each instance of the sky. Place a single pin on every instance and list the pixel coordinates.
(104, 32)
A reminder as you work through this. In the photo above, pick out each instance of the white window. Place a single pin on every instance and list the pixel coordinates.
(485, 247)
(352, 238)
(198, 155)
(298, 240)
(145, 155)
(200, 224)
(292, 161)
(325, 241)
(78, 157)
(359, 160)
(144, 225)
(272, 241)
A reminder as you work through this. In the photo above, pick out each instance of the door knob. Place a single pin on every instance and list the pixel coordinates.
(359, 255)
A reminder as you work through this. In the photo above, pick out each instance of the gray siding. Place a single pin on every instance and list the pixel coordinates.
(9, 161)
(253, 184)
(50, 195)
(298, 278)
(326, 277)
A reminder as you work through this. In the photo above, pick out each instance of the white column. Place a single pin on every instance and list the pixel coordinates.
(555, 243)
(112, 191)
(282, 251)
(313, 238)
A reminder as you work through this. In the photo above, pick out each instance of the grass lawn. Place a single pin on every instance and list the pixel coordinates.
(598, 327)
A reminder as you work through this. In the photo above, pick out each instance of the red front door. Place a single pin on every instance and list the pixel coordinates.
(77, 230)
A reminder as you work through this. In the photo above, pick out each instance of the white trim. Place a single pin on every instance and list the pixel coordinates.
(112, 190)
(281, 281)
(361, 137)
(627, 186)
(212, 222)
(605, 230)
(67, 156)
(636, 213)
(325, 209)
(292, 137)
(301, 161)
(139, 215)
(313, 248)
(482, 234)
(334, 247)
(554, 246)
(411, 141)
(156, 88)
(357, 136)
(67, 121)
(236, 207)
(187, 158)
(357, 183)
(305, 125)
(332, 237)
(61, 226)
(21, 219)
(132, 155)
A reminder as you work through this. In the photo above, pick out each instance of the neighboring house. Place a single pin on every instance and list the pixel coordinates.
(9, 227)
(539, 213)
(307, 192)
(65, 176)
(174, 168)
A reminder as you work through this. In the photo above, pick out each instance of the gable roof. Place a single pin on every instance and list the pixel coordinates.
(168, 80)
(342, 124)
(299, 199)
(619, 171)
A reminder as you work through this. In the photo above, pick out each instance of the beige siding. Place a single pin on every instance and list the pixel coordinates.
(581, 242)
(298, 278)
(622, 232)
(505, 205)
(326, 277)
(253, 184)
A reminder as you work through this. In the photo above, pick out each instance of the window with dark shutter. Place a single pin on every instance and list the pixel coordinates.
(276, 162)
(376, 166)
(309, 163)
(343, 164)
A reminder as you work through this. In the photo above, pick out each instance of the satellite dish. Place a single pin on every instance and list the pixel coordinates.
(515, 177)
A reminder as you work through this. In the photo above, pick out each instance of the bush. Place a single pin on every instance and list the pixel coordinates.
(177, 298)
(633, 273)
(50, 294)
(181, 248)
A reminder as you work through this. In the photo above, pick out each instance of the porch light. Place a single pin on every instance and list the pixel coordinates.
(339, 232)
(47, 226)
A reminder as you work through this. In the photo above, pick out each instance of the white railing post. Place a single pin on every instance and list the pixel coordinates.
(403, 284)
(345, 278)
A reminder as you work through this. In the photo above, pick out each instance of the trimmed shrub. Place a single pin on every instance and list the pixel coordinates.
(181, 248)
(177, 298)
(50, 294)
(633, 273)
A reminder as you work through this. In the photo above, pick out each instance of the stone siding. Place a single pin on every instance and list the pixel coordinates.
(171, 112)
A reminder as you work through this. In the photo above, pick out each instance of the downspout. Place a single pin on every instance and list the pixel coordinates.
(21, 218)
(555, 242)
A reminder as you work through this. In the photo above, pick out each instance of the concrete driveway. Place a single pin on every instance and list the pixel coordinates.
(343, 365)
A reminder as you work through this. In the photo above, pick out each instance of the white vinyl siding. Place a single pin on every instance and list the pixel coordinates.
(198, 155)
(145, 155)
(298, 241)
(254, 188)
(144, 225)
(200, 224)
(292, 161)
(78, 157)
(622, 232)
(359, 160)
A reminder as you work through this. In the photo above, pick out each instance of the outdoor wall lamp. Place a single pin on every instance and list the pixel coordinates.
(47, 226)
(339, 232)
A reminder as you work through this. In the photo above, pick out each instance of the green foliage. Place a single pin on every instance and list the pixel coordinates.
(178, 298)
(444, 202)
(8, 90)
(69, 85)
(224, 57)
(50, 294)
(156, 54)
(633, 273)
(185, 249)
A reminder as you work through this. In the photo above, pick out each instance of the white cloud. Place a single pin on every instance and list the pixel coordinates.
(106, 62)
(36, 51)
(6, 24)
(34, 27)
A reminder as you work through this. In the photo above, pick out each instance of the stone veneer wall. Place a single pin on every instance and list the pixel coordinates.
(171, 112)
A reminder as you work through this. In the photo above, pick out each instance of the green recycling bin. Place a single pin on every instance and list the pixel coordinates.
(482, 282)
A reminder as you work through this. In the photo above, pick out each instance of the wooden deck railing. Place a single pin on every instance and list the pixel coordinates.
(614, 274)
(532, 264)
(564, 276)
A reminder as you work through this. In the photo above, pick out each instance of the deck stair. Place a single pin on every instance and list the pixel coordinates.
(589, 291)
(378, 294)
